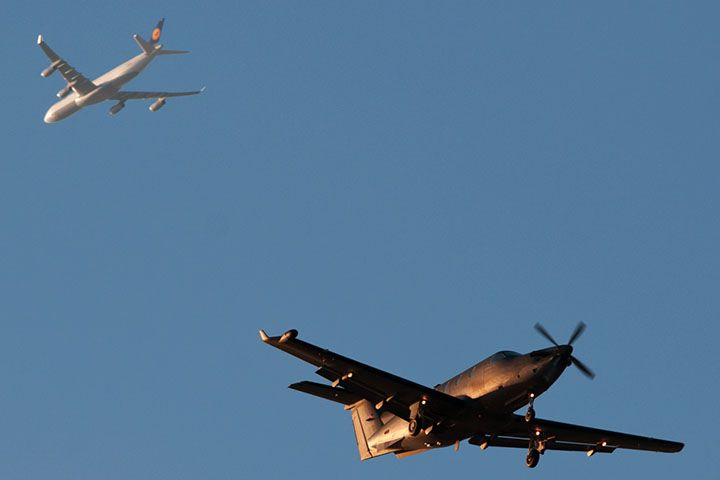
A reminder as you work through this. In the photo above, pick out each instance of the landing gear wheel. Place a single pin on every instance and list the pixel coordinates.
(530, 415)
(532, 459)
(414, 427)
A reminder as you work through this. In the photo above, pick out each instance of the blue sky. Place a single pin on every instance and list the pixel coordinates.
(411, 184)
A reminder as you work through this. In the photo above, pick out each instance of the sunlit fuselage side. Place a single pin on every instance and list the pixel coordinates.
(108, 84)
(498, 385)
(504, 381)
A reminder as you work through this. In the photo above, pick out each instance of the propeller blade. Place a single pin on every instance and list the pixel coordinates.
(582, 367)
(578, 331)
(545, 334)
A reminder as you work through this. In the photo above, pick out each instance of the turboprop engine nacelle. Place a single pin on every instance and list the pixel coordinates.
(63, 92)
(117, 107)
(157, 105)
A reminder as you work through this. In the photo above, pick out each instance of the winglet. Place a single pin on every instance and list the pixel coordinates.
(40, 39)
(289, 335)
(144, 46)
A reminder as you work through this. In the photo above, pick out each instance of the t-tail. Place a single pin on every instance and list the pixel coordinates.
(153, 47)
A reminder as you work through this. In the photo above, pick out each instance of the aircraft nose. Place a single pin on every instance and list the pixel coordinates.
(552, 352)
(49, 116)
(565, 350)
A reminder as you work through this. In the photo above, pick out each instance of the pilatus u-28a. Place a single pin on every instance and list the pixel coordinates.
(394, 415)
(80, 92)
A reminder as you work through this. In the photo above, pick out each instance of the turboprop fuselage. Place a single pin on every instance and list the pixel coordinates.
(498, 385)
(391, 414)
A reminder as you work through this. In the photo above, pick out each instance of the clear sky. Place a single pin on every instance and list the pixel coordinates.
(410, 184)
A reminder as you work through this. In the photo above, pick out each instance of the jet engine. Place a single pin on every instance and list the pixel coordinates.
(157, 105)
(48, 71)
(63, 92)
(117, 107)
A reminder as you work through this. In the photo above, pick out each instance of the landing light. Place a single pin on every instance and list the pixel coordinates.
(604, 443)
(590, 452)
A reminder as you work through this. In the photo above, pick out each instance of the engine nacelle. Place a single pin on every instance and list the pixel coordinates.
(157, 105)
(63, 92)
(48, 71)
(117, 107)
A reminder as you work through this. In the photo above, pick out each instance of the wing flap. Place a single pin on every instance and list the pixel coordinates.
(522, 442)
(128, 95)
(75, 79)
(567, 432)
(339, 395)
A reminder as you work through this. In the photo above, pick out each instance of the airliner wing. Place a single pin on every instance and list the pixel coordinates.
(77, 81)
(122, 96)
(353, 379)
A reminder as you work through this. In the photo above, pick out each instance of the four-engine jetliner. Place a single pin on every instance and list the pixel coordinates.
(393, 415)
(81, 92)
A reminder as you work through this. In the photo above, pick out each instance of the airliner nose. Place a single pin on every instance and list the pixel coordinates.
(49, 116)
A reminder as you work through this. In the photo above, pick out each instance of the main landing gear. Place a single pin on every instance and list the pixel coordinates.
(414, 427)
(417, 422)
(532, 459)
(536, 447)
(530, 414)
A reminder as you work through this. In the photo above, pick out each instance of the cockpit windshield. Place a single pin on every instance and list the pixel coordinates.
(506, 354)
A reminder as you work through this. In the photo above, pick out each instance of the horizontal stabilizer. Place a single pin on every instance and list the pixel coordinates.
(172, 52)
(339, 395)
(127, 95)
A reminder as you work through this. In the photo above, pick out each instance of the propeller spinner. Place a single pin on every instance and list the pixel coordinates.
(578, 331)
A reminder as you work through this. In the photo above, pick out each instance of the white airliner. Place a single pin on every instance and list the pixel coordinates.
(81, 92)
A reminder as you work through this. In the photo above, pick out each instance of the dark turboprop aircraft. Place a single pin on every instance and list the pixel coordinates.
(394, 415)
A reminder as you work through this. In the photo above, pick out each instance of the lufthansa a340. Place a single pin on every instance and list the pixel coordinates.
(80, 92)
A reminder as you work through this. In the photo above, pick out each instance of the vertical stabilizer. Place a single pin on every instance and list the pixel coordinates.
(157, 31)
(366, 421)
(152, 45)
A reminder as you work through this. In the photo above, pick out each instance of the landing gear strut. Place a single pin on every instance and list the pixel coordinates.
(530, 414)
(532, 459)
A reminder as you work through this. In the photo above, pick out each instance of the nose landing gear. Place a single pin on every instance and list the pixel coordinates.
(530, 414)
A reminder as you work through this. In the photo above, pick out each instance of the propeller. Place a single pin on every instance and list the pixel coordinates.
(575, 335)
